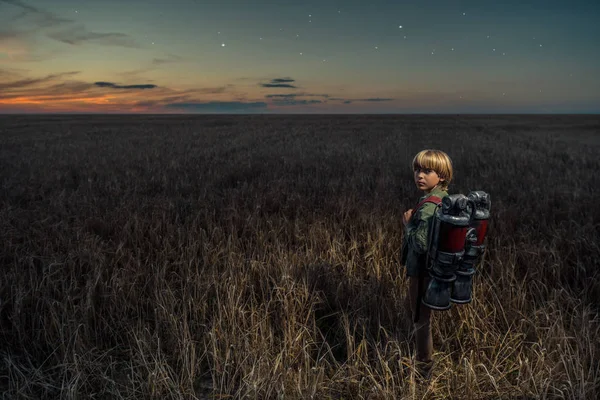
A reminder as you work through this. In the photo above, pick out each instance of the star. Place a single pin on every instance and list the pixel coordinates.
(300, 53)
(404, 37)
(540, 45)
(503, 54)
(376, 47)
(222, 44)
(400, 26)
(464, 14)
(453, 49)
(494, 49)
(260, 38)
(76, 12)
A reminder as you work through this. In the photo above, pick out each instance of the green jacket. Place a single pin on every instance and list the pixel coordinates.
(414, 242)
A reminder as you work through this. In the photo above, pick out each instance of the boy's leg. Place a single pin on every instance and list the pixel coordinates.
(423, 335)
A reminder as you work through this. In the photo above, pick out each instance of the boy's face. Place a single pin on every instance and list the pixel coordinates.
(426, 179)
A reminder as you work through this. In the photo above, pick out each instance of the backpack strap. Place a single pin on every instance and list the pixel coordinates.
(431, 199)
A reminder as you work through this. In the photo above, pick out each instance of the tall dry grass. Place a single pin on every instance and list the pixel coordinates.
(258, 257)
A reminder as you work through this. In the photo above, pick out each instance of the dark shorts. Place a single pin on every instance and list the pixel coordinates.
(413, 267)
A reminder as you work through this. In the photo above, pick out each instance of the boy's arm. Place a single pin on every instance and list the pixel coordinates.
(417, 236)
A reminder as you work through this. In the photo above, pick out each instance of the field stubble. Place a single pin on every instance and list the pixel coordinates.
(258, 256)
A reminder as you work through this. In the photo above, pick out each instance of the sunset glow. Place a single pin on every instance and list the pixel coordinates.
(235, 56)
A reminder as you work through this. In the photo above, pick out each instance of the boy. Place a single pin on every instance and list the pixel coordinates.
(432, 174)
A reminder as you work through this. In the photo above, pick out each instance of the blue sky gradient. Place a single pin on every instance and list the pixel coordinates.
(234, 56)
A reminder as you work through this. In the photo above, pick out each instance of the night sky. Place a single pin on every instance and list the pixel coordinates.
(321, 56)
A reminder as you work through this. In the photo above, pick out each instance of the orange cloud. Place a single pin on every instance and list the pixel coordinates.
(44, 99)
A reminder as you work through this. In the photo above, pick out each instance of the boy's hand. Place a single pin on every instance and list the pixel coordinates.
(406, 216)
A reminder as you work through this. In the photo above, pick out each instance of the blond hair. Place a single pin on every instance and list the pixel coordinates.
(435, 160)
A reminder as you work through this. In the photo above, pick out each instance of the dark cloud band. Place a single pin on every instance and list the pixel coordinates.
(114, 86)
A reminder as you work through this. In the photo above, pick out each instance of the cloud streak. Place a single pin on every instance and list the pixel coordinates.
(79, 34)
(115, 86)
(292, 99)
(59, 92)
(292, 95)
(218, 106)
(170, 59)
(279, 83)
(376, 99)
(282, 80)
(24, 83)
(287, 102)
(40, 19)
(283, 96)
(370, 99)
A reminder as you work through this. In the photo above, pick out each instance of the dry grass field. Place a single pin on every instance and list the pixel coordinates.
(182, 257)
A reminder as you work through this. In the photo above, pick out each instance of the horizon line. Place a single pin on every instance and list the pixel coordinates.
(291, 114)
